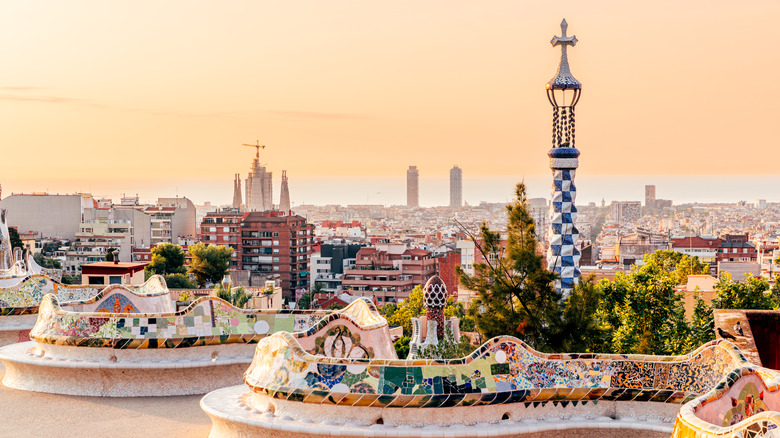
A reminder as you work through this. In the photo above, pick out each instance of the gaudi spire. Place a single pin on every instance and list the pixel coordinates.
(563, 91)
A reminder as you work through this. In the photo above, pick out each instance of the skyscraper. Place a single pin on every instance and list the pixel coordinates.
(284, 198)
(563, 91)
(650, 196)
(412, 187)
(456, 187)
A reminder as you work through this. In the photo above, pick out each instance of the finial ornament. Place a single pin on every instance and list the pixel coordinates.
(563, 79)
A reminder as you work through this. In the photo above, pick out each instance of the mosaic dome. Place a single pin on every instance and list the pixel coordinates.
(435, 292)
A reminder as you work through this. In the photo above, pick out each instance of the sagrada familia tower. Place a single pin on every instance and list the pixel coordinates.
(563, 91)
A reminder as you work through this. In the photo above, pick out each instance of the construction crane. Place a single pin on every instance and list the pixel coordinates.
(258, 146)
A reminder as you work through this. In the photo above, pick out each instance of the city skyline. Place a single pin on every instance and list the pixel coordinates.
(181, 97)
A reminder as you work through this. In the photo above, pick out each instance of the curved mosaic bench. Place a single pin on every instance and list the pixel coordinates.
(206, 346)
(503, 382)
(19, 302)
(744, 404)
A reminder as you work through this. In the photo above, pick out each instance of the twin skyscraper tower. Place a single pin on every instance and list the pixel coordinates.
(413, 187)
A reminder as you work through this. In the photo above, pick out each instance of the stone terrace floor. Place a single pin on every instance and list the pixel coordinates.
(24, 414)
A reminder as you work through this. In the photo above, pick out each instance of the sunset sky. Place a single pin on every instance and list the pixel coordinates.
(157, 97)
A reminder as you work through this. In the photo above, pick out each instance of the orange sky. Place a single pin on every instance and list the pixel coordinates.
(97, 91)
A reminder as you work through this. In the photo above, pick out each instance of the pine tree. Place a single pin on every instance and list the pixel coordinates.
(515, 294)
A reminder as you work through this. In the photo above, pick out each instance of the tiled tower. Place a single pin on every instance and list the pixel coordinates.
(563, 91)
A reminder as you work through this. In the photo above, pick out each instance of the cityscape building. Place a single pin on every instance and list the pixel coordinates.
(259, 185)
(94, 239)
(388, 272)
(274, 243)
(53, 216)
(284, 197)
(563, 92)
(456, 187)
(328, 265)
(223, 227)
(625, 212)
(237, 202)
(172, 221)
(412, 187)
(650, 196)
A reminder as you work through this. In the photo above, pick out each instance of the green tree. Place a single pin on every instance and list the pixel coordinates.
(643, 313)
(305, 301)
(16, 241)
(318, 287)
(71, 279)
(179, 281)
(167, 258)
(580, 329)
(753, 293)
(702, 324)
(677, 264)
(457, 310)
(46, 262)
(401, 315)
(401, 346)
(111, 254)
(210, 263)
(515, 294)
(238, 296)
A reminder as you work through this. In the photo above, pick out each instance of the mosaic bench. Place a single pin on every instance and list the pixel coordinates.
(193, 351)
(19, 302)
(744, 404)
(504, 382)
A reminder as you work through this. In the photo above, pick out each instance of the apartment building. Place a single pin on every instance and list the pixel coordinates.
(272, 242)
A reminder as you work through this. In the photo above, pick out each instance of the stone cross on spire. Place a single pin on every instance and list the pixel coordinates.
(563, 79)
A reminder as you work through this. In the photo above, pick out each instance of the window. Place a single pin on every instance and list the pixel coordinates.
(226, 229)
(276, 243)
(115, 279)
(96, 280)
(212, 229)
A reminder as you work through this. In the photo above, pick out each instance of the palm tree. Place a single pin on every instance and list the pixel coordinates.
(238, 297)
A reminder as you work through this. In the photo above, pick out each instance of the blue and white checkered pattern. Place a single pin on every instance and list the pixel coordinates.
(563, 257)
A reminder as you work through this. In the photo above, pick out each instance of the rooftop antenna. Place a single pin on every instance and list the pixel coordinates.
(258, 146)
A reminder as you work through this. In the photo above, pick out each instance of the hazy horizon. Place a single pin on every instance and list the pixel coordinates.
(434, 191)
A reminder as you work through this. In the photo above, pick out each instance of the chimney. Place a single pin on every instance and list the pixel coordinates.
(116, 260)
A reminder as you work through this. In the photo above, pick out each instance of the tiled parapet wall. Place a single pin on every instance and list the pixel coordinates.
(744, 404)
(503, 370)
(24, 297)
(207, 321)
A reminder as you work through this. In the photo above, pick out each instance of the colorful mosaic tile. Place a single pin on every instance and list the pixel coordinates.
(504, 370)
(206, 321)
(24, 297)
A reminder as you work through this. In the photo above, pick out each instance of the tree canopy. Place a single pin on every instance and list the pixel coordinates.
(642, 312)
(237, 296)
(167, 258)
(46, 262)
(677, 264)
(111, 254)
(16, 241)
(515, 294)
(179, 281)
(210, 263)
(749, 294)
